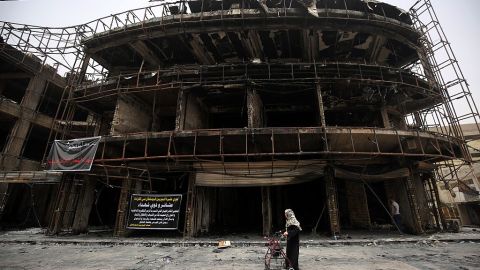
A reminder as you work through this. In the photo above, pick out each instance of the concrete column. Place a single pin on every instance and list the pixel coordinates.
(266, 210)
(120, 229)
(84, 68)
(84, 206)
(203, 210)
(60, 206)
(255, 109)
(425, 211)
(385, 118)
(413, 200)
(155, 110)
(71, 206)
(434, 189)
(19, 132)
(18, 135)
(321, 109)
(357, 204)
(190, 211)
(332, 203)
(180, 114)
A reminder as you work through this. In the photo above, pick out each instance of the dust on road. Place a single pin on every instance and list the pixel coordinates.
(421, 255)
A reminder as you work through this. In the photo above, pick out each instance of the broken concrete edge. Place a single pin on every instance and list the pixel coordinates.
(214, 243)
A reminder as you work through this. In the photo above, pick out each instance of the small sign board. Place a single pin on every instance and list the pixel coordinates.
(154, 212)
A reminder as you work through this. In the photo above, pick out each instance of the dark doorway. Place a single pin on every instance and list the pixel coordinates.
(238, 210)
(307, 200)
(378, 213)
(105, 205)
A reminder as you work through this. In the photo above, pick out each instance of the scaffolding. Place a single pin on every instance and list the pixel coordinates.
(455, 91)
(430, 131)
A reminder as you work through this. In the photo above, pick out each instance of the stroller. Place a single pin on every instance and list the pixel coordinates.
(275, 257)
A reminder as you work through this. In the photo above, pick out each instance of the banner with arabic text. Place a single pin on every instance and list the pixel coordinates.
(72, 155)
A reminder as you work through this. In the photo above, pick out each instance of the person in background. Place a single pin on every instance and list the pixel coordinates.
(292, 231)
(395, 211)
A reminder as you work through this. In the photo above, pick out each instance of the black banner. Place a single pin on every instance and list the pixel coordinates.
(154, 212)
(72, 155)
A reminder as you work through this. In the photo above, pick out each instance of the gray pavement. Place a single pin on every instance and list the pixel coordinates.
(31, 249)
(37, 236)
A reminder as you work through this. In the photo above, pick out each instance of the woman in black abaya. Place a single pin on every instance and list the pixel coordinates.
(293, 229)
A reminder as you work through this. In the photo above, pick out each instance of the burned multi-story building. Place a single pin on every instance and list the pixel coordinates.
(247, 108)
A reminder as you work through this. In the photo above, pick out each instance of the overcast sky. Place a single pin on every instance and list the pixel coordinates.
(459, 19)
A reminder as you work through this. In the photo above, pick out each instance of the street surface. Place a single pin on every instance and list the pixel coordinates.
(420, 255)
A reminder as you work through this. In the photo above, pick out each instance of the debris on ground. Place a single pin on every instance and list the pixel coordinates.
(224, 244)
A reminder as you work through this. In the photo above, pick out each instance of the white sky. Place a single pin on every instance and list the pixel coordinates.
(459, 19)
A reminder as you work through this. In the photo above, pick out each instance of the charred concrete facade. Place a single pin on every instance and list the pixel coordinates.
(250, 107)
(30, 93)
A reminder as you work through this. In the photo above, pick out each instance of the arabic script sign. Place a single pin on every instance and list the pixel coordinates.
(154, 212)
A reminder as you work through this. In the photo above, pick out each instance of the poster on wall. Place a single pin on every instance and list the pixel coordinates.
(72, 155)
(154, 212)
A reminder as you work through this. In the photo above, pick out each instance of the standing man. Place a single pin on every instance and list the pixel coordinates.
(395, 211)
